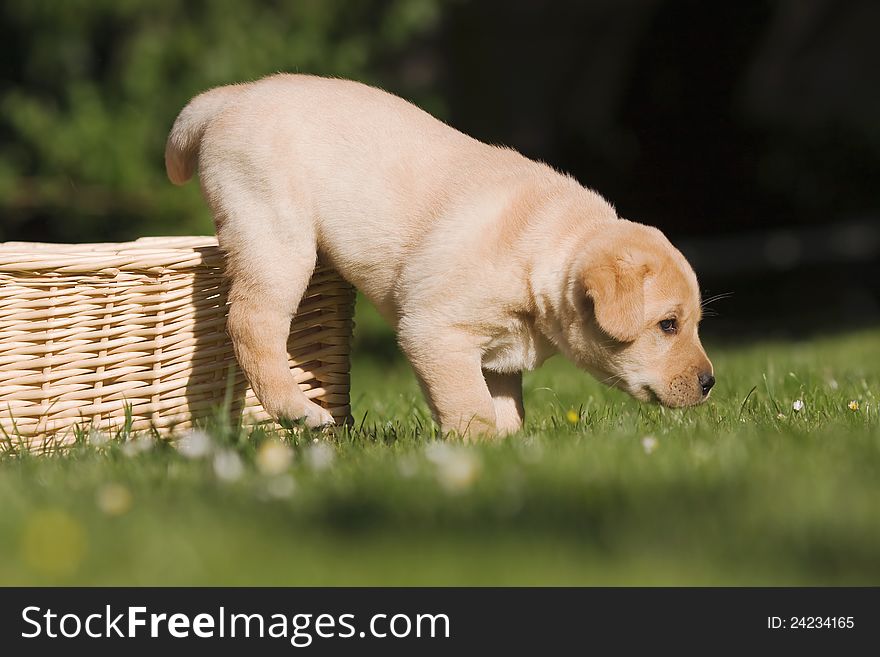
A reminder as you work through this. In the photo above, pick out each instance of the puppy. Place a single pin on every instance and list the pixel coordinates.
(485, 262)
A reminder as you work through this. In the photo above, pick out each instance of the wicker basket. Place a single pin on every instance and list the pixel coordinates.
(92, 332)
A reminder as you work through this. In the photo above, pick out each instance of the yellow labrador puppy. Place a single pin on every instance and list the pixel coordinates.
(485, 262)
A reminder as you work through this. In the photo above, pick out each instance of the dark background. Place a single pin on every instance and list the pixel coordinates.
(747, 131)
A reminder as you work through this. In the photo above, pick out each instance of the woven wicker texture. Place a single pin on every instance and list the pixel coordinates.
(88, 330)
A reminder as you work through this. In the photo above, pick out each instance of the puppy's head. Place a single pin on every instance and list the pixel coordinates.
(637, 309)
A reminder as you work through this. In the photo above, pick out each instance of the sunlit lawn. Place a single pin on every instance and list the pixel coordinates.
(597, 489)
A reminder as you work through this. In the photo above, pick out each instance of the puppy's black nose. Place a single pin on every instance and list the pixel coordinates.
(706, 382)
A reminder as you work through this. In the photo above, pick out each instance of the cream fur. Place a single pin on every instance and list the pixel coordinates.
(485, 262)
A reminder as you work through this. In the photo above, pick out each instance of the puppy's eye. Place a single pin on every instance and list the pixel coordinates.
(668, 326)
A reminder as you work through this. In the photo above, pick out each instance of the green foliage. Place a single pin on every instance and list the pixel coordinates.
(91, 88)
(598, 489)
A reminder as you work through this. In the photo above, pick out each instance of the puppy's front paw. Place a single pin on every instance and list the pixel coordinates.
(298, 411)
(315, 416)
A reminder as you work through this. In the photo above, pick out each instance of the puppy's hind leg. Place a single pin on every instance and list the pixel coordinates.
(269, 277)
(507, 396)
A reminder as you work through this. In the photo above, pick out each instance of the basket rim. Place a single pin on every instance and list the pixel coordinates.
(177, 252)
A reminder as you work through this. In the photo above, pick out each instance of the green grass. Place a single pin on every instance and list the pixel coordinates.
(742, 490)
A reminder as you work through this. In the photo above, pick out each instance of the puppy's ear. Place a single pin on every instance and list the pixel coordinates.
(615, 283)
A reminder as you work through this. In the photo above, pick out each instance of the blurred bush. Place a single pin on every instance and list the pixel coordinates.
(89, 89)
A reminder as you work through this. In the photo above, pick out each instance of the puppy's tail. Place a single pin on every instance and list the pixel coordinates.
(182, 146)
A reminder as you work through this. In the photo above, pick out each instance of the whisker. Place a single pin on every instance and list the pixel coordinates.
(608, 381)
(716, 297)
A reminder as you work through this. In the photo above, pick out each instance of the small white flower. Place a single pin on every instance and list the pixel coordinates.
(194, 445)
(649, 444)
(833, 384)
(280, 487)
(98, 438)
(113, 499)
(437, 451)
(273, 457)
(137, 446)
(457, 468)
(780, 416)
(798, 405)
(853, 405)
(228, 465)
(320, 456)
